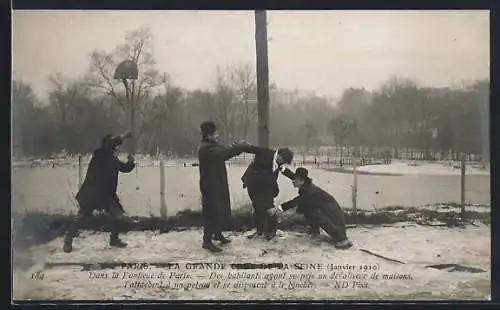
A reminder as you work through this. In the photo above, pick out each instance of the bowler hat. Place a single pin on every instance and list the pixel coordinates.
(109, 142)
(208, 128)
(286, 154)
(301, 173)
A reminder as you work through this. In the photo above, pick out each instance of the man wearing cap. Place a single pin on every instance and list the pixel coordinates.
(98, 191)
(214, 187)
(261, 181)
(319, 208)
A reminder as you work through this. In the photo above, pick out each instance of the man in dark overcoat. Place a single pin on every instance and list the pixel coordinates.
(214, 187)
(319, 208)
(98, 191)
(261, 181)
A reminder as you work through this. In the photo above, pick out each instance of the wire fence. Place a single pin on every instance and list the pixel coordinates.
(50, 185)
(334, 156)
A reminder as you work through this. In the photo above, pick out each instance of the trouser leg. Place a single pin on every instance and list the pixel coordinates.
(207, 223)
(211, 220)
(257, 220)
(332, 217)
(260, 218)
(270, 224)
(211, 224)
(313, 224)
(337, 232)
(118, 221)
(266, 224)
(258, 211)
(76, 223)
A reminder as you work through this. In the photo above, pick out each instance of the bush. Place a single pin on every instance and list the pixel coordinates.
(38, 228)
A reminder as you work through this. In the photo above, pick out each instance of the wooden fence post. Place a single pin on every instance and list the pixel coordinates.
(355, 180)
(462, 187)
(163, 206)
(80, 171)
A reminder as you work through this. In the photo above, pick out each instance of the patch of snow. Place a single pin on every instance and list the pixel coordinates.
(423, 169)
(417, 246)
(456, 209)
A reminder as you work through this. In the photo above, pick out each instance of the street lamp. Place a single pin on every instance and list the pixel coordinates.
(127, 70)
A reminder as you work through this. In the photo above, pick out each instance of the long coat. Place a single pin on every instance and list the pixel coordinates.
(98, 191)
(214, 186)
(313, 199)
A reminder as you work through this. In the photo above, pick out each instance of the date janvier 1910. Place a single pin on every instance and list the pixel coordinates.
(222, 266)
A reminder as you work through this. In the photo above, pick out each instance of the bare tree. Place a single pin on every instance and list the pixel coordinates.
(235, 98)
(24, 105)
(81, 117)
(64, 98)
(244, 86)
(138, 48)
(226, 105)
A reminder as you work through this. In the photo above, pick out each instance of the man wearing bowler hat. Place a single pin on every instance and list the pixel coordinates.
(98, 191)
(261, 181)
(319, 208)
(214, 187)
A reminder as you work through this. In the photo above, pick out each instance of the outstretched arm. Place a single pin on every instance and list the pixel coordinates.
(125, 167)
(226, 153)
(252, 149)
(288, 173)
(290, 204)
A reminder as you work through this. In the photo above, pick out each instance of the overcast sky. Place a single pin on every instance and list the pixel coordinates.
(324, 51)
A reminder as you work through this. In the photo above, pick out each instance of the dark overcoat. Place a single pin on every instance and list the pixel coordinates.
(98, 191)
(312, 199)
(214, 186)
(260, 179)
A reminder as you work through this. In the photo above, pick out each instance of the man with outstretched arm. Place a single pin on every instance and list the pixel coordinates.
(319, 208)
(98, 191)
(214, 187)
(261, 181)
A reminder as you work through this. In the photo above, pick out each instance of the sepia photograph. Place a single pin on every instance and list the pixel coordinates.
(271, 155)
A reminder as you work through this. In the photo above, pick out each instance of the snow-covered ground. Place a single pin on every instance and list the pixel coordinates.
(419, 168)
(444, 208)
(416, 246)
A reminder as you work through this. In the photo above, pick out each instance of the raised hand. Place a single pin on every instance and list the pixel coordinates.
(240, 143)
(127, 135)
(274, 212)
(244, 142)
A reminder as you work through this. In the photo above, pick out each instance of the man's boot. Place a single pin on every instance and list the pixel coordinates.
(313, 231)
(116, 242)
(68, 246)
(343, 245)
(314, 234)
(270, 235)
(211, 247)
(222, 239)
(270, 228)
(256, 234)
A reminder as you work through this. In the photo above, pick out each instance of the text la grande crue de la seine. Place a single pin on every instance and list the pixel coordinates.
(224, 266)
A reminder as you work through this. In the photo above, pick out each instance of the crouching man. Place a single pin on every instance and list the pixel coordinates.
(98, 191)
(320, 209)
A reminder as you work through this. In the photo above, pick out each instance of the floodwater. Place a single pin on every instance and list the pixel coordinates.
(51, 190)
